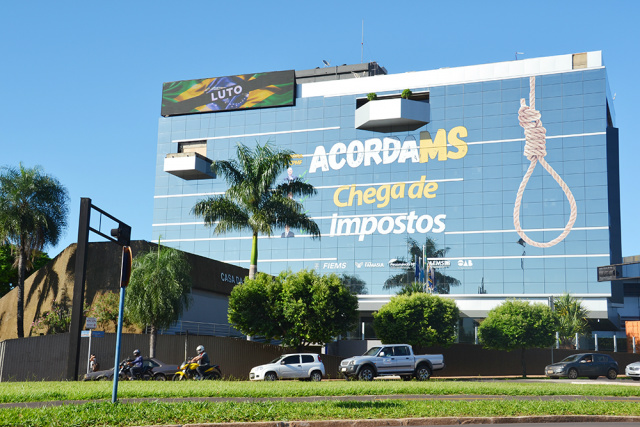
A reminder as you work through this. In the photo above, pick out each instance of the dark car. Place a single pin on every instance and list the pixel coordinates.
(161, 371)
(590, 365)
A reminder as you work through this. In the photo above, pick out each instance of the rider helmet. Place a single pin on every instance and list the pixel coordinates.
(200, 349)
(136, 352)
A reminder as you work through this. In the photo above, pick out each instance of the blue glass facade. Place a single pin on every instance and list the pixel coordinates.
(376, 191)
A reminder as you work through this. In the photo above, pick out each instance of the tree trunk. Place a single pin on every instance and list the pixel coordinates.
(22, 272)
(524, 365)
(152, 340)
(253, 267)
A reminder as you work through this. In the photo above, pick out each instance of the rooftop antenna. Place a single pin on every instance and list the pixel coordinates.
(326, 63)
(362, 44)
(519, 53)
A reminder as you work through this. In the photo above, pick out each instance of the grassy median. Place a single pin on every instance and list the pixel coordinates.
(97, 390)
(99, 410)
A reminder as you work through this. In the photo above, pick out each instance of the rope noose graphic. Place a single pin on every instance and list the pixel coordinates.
(535, 150)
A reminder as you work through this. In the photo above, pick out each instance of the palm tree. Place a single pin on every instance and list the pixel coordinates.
(412, 288)
(572, 318)
(159, 291)
(431, 251)
(33, 214)
(253, 200)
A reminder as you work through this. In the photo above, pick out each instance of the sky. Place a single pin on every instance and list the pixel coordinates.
(81, 82)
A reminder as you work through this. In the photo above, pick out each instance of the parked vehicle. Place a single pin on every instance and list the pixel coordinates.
(161, 371)
(633, 371)
(307, 366)
(188, 371)
(590, 365)
(394, 359)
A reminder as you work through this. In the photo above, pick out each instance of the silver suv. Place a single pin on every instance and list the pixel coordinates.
(289, 366)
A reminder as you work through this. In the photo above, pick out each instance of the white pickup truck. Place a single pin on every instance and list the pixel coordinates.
(391, 359)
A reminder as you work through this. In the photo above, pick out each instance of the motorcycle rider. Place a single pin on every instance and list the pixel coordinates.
(203, 361)
(136, 365)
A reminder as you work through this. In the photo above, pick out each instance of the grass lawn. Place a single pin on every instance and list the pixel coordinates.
(101, 412)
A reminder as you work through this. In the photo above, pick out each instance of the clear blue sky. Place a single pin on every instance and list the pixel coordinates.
(81, 81)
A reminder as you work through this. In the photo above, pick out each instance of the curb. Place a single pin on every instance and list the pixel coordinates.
(410, 422)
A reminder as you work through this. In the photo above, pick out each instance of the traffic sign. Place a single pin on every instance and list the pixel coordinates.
(92, 323)
(85, 334)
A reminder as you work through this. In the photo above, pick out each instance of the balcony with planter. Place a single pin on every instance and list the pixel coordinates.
(188, 166)
(394, 114)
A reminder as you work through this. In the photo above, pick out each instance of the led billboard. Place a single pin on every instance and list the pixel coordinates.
(245, 91)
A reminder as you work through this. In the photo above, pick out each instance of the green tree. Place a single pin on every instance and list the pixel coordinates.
(159, 291)
(518, 325)
(300, 308)
(572, 318)
(9, 267)
(354, 283)
(419, 319)
(253, 200)
(431, 251)
(33, 214)
(105, 309)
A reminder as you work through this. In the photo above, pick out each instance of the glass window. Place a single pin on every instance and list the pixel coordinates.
(401, 351)
(291, 360)
(386, 352)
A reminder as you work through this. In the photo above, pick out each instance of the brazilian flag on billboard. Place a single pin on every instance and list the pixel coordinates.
(273, 89)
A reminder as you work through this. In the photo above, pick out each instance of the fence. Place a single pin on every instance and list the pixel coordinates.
(45, 357)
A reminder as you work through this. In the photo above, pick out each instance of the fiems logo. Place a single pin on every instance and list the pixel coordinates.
(334, 265)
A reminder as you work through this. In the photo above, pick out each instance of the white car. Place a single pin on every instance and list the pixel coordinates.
(289, 366)
(633, 371)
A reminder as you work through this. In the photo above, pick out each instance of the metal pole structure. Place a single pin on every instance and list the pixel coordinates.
(596, 338)
(552, 306)
(615, 343)
(557, 340)
(125, 274)
(362, 331)
(73, 354)
(114, 395)
(89, 351)
(634, 345)
(577, 342)
(475, 332)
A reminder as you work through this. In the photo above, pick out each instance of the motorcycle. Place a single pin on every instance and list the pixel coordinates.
(125, 368)
(188, 371)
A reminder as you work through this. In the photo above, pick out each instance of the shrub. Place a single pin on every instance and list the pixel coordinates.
(56, 321)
